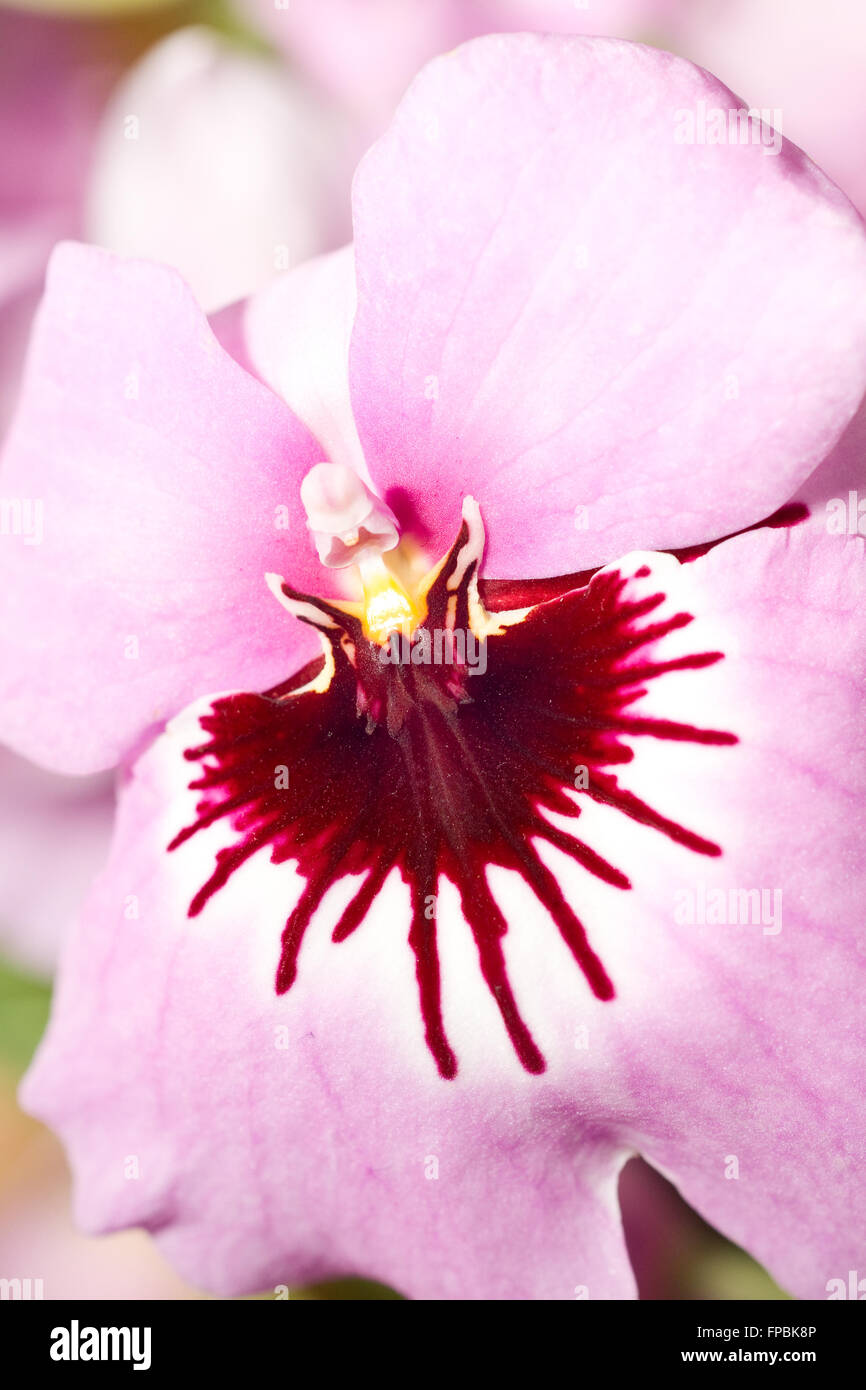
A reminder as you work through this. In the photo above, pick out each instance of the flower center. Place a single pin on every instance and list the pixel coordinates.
(434, 739)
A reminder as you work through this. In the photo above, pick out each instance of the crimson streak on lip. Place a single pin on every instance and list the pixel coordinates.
(422, 769)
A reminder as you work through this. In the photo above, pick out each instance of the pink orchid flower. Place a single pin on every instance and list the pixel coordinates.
(393, 966)
(140, 156)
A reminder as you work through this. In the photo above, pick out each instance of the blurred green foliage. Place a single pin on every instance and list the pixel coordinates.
(723, 1271)
(343, 1291)
(24, 1005)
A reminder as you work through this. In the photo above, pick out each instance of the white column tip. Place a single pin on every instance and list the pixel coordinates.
(346, 519)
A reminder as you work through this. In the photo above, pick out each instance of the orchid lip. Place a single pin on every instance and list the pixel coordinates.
(403, 766)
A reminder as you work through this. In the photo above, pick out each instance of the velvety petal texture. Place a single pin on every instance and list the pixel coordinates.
(728, 1055)
(572, 311)
(157, 484)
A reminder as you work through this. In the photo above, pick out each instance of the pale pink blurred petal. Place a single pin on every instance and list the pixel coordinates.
(804, 60)
(220, 163)
(294, 335)
(366, 52)
(54, 837)
(53, 78)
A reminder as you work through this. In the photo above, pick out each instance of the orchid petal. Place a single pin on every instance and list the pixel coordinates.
(159, 484)
(739, 976)
(294, 335)
(586, 322)
(341, 1151)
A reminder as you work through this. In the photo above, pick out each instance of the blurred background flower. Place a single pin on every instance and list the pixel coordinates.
(364, 53)
(54, 834)
(55, 75)
(222, 140)
(803, 59)
(221, 162)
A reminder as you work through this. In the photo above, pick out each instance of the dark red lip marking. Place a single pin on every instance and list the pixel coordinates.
(424, 769)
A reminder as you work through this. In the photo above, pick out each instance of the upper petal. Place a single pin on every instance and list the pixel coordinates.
(159, 483)
(617, 339)
(318, 299)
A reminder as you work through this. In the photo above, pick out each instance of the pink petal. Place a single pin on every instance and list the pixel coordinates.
(54, 837)
(737, 1045)
(16, 320)
(615, 340)
(364, 55)
(160, 468)
(313, 305)
(835, 493)
(323, 1105)
(723, 1042)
